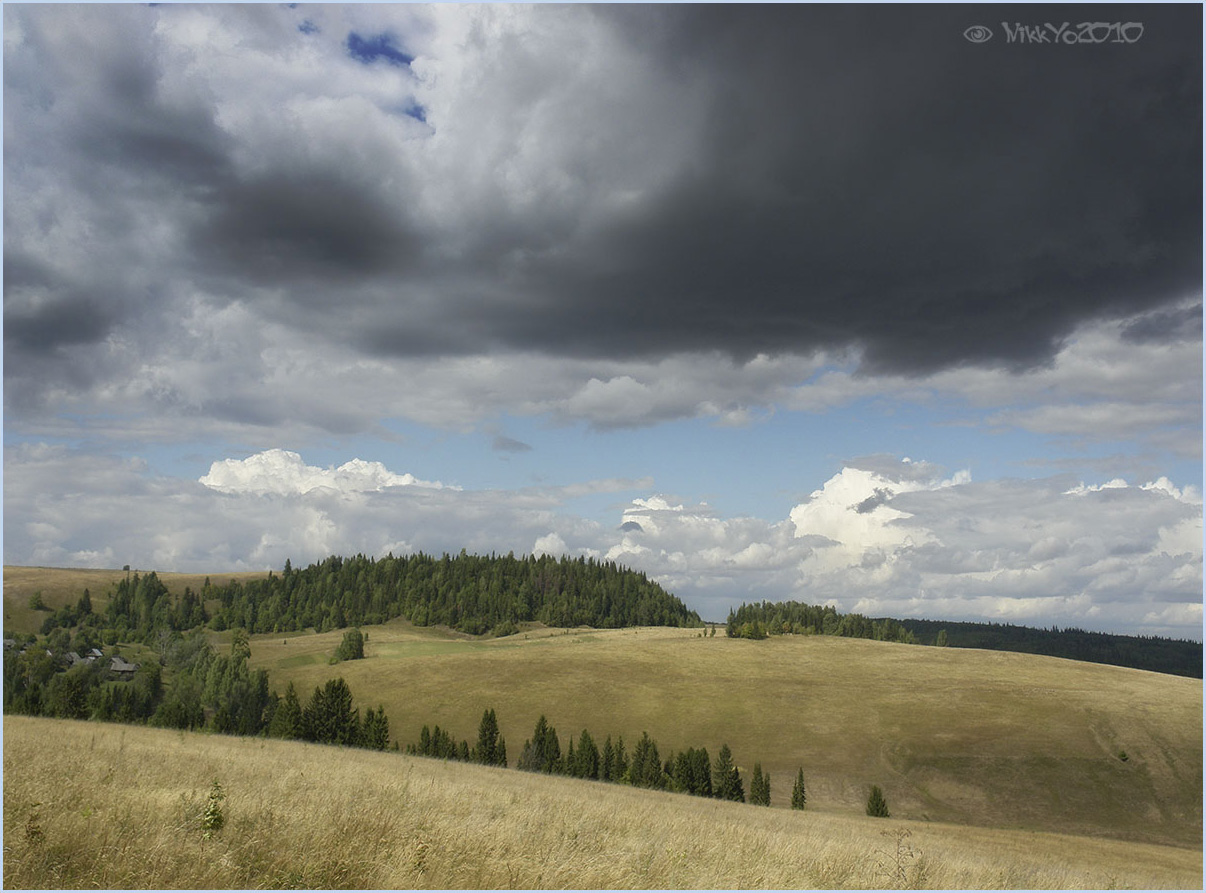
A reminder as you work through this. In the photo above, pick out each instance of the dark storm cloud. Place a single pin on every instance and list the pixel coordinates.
(858, 177)
(283, 228)
(873, 178)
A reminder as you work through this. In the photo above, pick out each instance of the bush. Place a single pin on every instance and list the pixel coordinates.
(352, 646)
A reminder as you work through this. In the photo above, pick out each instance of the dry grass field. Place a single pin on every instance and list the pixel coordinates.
(952, 735)
(96, 805)
(1004, 769)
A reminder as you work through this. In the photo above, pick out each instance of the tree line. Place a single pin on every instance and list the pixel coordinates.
(690, 771)
(757, 621)
(1176, 656)
(475, 594)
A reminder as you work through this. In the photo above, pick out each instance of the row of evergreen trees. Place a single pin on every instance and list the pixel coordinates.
(1160, 655)
(690, 771)
(757, 621)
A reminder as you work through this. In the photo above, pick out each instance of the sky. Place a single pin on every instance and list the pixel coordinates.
(846, 305)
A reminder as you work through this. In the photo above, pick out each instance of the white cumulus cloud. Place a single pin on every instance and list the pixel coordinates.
(285, 473)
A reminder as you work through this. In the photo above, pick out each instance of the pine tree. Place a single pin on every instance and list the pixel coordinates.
(876, 804)
(588, 757)
(798, 795)
(646, 769)
(329, 717)
(759, 787)
(375, 732)
(607, 760)
(487, 750)
(726, 778)
(543, 752)
(619, 762)
(287, 720)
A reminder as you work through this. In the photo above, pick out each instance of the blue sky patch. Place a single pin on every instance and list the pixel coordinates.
(379, 46)
(307, 27)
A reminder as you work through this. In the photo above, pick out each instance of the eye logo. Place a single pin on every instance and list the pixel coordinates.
(978, 34)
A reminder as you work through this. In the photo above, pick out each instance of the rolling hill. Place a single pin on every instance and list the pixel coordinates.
(954, 735)
(119, 807)
(978, 738)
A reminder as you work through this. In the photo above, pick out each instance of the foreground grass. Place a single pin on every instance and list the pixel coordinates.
(94, 805)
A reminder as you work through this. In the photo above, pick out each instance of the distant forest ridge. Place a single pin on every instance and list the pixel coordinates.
(471, 593)
(1178, 657)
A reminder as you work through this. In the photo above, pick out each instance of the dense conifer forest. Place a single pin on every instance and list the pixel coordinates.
(474, 594)
(1175, 656)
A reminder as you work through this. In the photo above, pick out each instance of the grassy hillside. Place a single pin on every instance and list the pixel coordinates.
(979, 738)
(96, 805)
(976, 737)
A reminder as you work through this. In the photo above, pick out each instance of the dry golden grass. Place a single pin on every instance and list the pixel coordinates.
(954, 735)
(94, 805)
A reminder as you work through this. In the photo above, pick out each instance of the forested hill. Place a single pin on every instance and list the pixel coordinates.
(1175, 656)
(471, 593)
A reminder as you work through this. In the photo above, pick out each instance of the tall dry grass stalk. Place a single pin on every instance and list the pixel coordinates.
(94, 805)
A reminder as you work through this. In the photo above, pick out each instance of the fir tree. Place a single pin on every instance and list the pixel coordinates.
(726, 779)
(287, 720)
(760, 787)
(587, 757)
(619, 762)
(487, 750)
(329, 717)
(374, 733)
(798, 795)
(646, 768)
(876, 804)
(606, 760)
(543, 752)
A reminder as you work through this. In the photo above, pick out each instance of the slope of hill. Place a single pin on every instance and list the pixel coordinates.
(958, 735)
(98, 805)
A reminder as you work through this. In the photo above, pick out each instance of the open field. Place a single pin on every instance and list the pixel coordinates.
(976, 738)
(97, 805)
(971, 737)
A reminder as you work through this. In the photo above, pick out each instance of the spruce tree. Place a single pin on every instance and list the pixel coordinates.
(876, 804)
(701, 771)
(619, 762)
(487, 750)
(374, 734)
(646, 769)
(798, 795)
(287, 720)
(726, 778)
(607, 760)
(587, 756)
(759, 787)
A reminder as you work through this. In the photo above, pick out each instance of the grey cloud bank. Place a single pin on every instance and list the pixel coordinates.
(590, 182)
